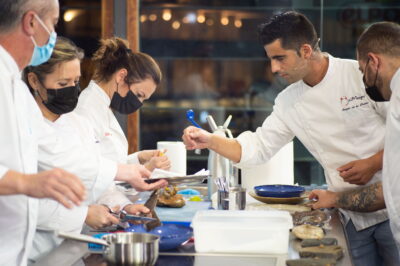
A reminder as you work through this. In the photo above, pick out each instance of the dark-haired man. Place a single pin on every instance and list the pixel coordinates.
(327, 109)
(378, 54)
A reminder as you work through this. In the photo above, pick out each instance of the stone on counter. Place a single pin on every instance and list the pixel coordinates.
(319, 242)
(311, 262)
(326, 252)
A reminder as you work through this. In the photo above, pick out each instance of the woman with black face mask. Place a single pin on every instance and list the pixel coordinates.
(73, 146)
(122, 80)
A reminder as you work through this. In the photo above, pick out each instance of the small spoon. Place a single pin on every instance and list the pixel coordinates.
(190, 117)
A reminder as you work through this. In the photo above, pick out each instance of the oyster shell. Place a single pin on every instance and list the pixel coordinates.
(315, 217)
(307, 231)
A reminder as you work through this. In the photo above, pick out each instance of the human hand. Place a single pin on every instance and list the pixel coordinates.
(358, 172)
(325, 198)
(160, 162)
(146, 155)
(57, 184)
(196, 138)
(135, 174)
(136, 209)
(99, 216)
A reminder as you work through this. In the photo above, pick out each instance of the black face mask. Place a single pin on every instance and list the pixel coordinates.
(373, 91)
(125, 105)
(63, 100)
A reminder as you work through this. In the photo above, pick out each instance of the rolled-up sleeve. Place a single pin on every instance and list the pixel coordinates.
(260, 146)
(3, 170)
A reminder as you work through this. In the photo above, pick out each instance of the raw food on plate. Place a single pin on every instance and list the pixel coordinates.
(169, 198)
(315, 217)
(307, 231)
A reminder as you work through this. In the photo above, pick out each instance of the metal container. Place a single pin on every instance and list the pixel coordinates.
(131, 249)
(234, 199)
(218, 165)
(223, 200)
(123, 248)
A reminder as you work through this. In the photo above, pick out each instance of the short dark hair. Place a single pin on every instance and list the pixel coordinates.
(380, 38)
(114, 54)
(292, 28)
(12, 11)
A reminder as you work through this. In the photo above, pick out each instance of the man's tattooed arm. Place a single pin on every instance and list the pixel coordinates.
(364, 199)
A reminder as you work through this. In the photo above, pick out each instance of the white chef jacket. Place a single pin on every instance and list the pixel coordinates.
(335, 121)
(20, 120)
(391, 159)
(75, 149)
(94, 104)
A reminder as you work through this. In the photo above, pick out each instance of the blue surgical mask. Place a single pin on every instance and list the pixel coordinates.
(42, 53)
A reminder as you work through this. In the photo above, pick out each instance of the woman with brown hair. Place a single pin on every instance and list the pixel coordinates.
(123, 79)
(55, 86)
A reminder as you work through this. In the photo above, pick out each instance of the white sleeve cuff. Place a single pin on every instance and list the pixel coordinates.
(3, 170)
(107, 173)
(113, 197)
(246, 150)
(133, 158)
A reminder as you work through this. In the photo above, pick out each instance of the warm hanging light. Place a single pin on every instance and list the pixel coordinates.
(238, 23)
(143, 18)
(176, 25)
(167, 15)
(153, 17)
(224, 20)
(201, 18)
(69, 15)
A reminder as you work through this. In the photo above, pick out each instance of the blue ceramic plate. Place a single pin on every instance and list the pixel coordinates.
(171, 235)
(279, 191)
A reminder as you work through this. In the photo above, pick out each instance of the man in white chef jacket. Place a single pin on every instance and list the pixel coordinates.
(26, 31)
(378, 54)
(327, 109)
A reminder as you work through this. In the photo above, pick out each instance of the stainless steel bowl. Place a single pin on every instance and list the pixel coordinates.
(131, 248)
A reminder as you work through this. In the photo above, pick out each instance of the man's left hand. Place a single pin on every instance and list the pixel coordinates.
(358, 172)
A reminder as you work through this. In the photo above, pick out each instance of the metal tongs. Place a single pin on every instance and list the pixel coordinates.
(125, 217)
